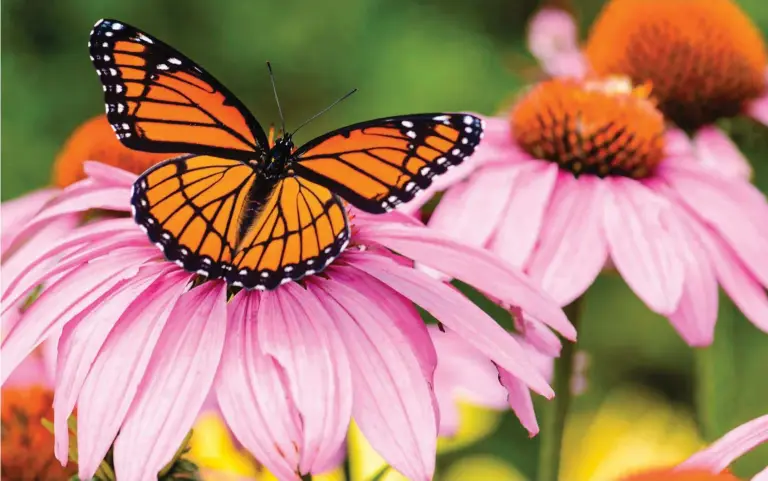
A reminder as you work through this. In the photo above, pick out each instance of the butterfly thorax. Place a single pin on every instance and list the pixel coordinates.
(278, 159)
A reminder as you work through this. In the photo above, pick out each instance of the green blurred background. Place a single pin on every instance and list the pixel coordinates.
(405, 56)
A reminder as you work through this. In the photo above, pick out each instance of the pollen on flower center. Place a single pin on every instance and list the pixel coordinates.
(704, 58)
(95, 140)
(598, 127)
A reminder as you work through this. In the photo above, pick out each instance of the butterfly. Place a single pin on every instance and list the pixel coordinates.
(241, 206)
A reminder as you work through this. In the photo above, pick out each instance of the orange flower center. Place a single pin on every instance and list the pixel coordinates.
(686, 475)
(704, 58)
(95, 140)
(27, 446)
(598, 127)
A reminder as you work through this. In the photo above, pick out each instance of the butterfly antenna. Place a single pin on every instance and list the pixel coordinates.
(324, 111)
(274, 89)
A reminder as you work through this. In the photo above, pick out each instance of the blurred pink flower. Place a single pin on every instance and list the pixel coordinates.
(553, 40)
(580, 176)
(141, 349)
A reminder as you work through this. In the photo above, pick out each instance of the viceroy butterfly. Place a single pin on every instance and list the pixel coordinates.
(239, 206)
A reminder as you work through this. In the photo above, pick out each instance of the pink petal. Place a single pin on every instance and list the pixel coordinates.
(747, 293)
(252, 396)
(79, 345)
(720, 454)
(61, 302)
(18, 282)
(520, 401)
(642, 248)
(521, 223)
(470, 212)
(177, 381)
(77, 202)
(536, 334)
(393, 404)
(696, 314)
(113, 381)
(31, 372)
(298, 333)
(17, 260)
(677, 143)
(758, 109)
(572, 248)
(17, 212)
(400, 310)
(457, 312)
(762, 475)
(478, 268)
(108, 175)
(716, 151)
(553, 40)
(734, 208)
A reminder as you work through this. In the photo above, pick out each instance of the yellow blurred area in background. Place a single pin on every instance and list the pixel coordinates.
(632, 430)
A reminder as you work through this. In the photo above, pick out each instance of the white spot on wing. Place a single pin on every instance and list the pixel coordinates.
(117, 26)
(468, 119)
(407, 124)
(174, 61)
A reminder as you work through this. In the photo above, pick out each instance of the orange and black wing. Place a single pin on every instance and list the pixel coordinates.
(192, 208)
(379, 164)
(298, 231)
(158, 100)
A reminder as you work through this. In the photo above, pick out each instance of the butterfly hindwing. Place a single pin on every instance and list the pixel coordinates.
(382, 163)
(191, 208)
(299, 230)
(158, 100)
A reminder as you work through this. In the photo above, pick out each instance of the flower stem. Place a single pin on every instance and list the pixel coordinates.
(553, 425)
(715, 375)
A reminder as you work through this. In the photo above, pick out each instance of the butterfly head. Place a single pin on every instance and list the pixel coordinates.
(279, 157)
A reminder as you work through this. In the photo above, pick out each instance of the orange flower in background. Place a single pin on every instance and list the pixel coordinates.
(705, 58)
(95, 140)
(670, 475)
(27, 446)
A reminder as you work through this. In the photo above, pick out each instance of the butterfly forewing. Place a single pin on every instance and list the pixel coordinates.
(382, 163)
(158, 100)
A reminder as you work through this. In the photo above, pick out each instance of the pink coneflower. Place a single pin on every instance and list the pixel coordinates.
(710, 464)
(580, 175)
(144, 342)
(705, 59)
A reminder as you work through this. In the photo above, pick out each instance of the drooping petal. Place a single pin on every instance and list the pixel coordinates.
(553, 40)
(470, 212)
(520, 401)
(696, 314)
(17, 212)
(79, 345)
(114, 378)
(762, 475)
(252, 396)
(521, 223)
(61, 302)
(734, 208)
(476, 267)
(177, 381)
(297, 332)
(400, 311)
(716, 151)
(571, 248)
(742, 287)
(641, 244)
(458, 313)
(677, 143)
(720, 454)
(393, 404)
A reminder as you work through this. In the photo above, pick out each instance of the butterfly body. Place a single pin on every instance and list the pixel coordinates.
(238, 206)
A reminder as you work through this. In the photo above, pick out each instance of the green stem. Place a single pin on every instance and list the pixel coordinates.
(553, 425)
(715, 374)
